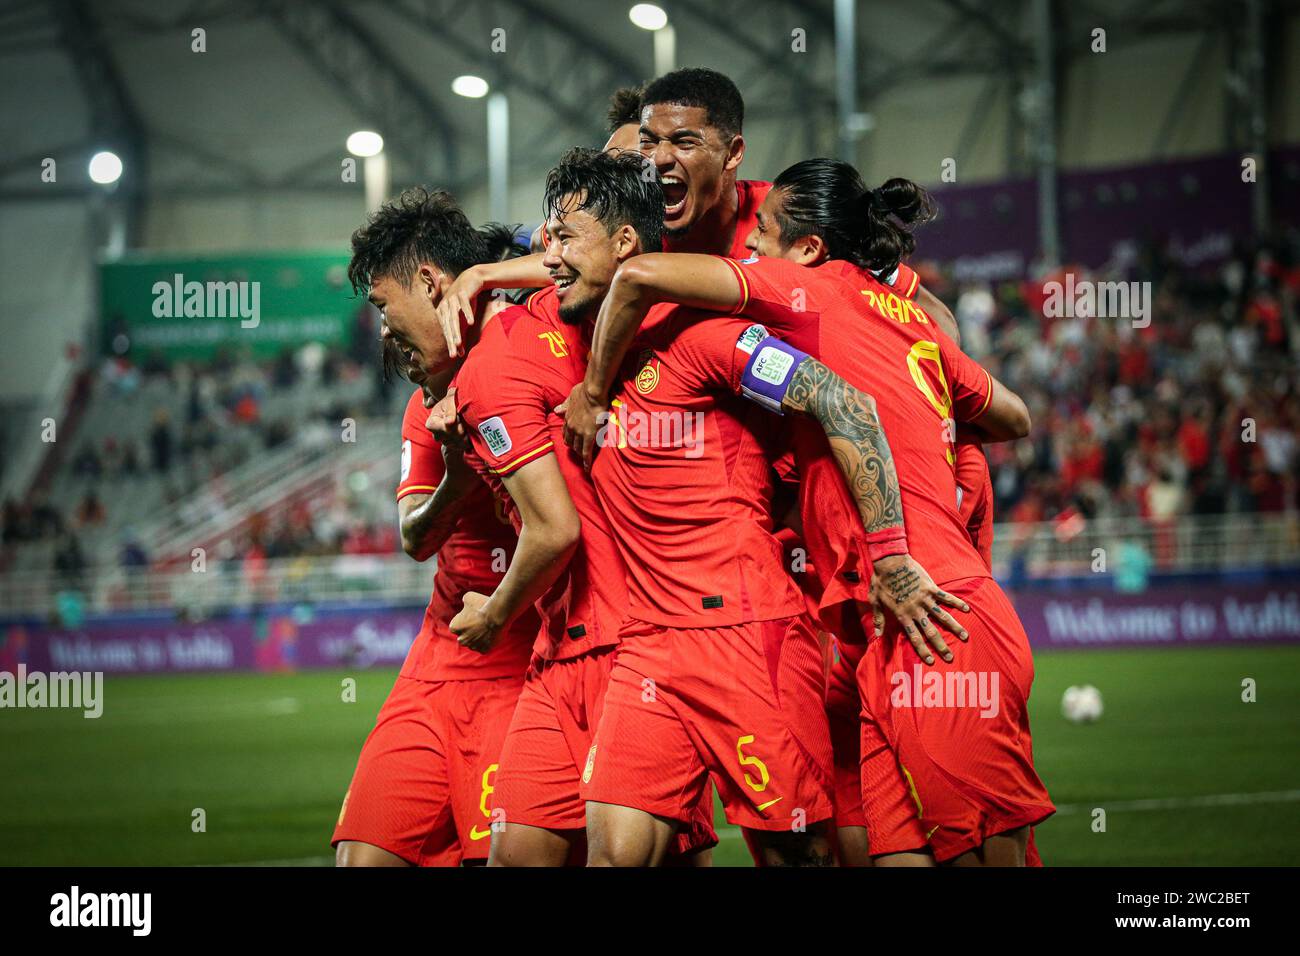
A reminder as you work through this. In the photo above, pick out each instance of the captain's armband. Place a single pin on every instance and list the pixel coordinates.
(768, 372)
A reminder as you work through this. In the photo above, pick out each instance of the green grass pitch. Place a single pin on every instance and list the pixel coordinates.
(1187, 772)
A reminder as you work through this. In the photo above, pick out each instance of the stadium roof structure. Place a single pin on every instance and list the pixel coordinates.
(213, 123)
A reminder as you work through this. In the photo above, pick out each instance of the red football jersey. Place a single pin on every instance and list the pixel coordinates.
(481, 541)
(886, 346)
(902, 280)
(526, 363)
(976, 502)
(684, 473)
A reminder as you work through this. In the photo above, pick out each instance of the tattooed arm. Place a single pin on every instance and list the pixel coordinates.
(857, 440)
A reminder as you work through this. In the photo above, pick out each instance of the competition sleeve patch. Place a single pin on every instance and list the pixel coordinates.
(768, 372)
(750, 338)
(495, 436)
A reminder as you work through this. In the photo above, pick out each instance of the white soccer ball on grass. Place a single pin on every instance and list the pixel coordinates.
(1081, 704)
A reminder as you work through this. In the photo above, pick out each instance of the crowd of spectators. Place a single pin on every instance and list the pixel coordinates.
(204, 419)
(1197, 412)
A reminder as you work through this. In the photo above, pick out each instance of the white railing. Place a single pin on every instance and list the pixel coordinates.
(231, 499)
(221, 586)
(1201, 543)
(1048, 550)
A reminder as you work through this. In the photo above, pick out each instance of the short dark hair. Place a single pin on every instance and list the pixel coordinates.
(501, 242)
(624, 108)
(869, 227)
(707, 89)
(618, 190)
(392, 361)
(420, 225)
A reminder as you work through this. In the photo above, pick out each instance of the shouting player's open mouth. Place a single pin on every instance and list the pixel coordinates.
(675, 192)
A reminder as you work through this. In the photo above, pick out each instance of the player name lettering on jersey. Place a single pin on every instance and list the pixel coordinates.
(895, 306)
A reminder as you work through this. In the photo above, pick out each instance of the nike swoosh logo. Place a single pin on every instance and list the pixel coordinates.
(474, 833)
(764, 806)
(932, 832)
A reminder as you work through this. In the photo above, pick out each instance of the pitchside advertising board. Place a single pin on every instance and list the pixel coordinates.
(189, 308)
(350, 636)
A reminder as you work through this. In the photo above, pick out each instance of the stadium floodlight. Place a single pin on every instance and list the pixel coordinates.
(498, 144)
(475, 87)
(648, 16)
(365, 142)
(105, 168)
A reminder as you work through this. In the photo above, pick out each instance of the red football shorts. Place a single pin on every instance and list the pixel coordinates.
(947, 760)
(743, 704)
(424, 780)
(843, 714)
(549, 747)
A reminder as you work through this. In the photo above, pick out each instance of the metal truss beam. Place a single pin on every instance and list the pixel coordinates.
(467, 30)
(771, 60)
(335, 42)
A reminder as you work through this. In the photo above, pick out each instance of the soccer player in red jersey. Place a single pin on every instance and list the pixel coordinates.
(566, 563)
(691, 129)
(732, 677)
(623, 123)
(423, 783)
(524, 364)
(689, 124)
(953, 783)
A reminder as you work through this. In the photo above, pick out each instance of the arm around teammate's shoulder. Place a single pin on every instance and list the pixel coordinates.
(1006, 418)
(548, 536)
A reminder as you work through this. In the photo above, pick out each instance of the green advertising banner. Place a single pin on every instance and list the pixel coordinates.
(188, 308)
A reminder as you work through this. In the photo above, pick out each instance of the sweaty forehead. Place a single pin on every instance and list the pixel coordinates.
(664, 119)
(571, 218)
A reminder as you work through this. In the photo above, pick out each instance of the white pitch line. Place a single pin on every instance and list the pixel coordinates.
(207, 713)
(1185, 803)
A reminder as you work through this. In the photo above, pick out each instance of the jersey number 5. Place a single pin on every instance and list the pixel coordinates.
(759, 785)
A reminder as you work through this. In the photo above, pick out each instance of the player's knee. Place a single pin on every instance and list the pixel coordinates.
(618, 838)
(528, 846)
(1006, 849)
(623, 853)
(617, 847)
(854, 849)
(811, 847)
